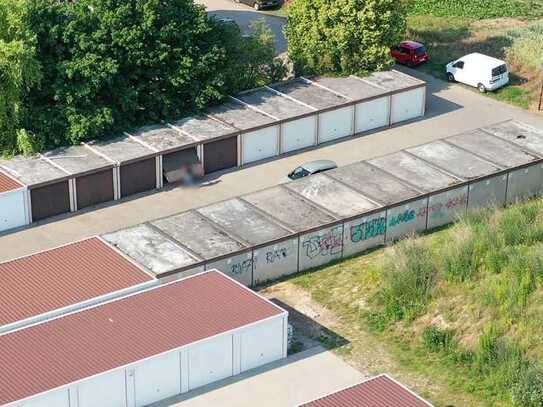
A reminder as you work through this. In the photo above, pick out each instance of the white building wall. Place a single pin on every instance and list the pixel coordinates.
(157, 378)
(262, 343)
(298, 134)
(336, 124)
(106, 390)
(209, 361)
(13, 209)
(57, 398)
(372, 114)
(260, 144)
(408, 105)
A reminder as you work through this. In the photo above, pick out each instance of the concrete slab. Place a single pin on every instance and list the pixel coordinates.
(289, 208)
(31, 170)
(415, 171)
(392, 80)
(77, 159)
(520, 134)
(122, 149)
(203, 127)
(286, 383)
(198, 235)
(350, 86)
(239, 116)
(454, 160)
(309, 94)
(331, 195)
(373, 183)
(163, 138)
(274, 104)
(491, 148)
(240, 219)
(150, 248)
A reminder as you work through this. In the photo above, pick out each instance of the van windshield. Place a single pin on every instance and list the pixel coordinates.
(499, 70)
(420, 50)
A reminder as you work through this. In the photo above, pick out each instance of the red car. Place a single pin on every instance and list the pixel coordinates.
(409, 53)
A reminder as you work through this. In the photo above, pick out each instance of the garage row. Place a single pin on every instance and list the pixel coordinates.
(306, 223)
(255, 125)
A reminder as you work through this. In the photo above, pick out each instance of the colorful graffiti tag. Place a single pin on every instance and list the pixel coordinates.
(368, 229)
(327, 244)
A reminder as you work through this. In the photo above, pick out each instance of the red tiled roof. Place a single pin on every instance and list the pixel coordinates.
(123, 331)
(380, 391)
(7, 183)
(57, 278)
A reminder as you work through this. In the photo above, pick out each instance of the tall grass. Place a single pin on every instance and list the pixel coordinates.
(478, 8)
(525, 49)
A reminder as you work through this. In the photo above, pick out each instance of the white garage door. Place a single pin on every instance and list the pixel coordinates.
(261, 344)
(336, 124)
(12, 209)
(157, 379)
(107, 390)
(210, 361)
(299, 134)
(260, 144)
(407, 105)
(58, 398)
(372, 115)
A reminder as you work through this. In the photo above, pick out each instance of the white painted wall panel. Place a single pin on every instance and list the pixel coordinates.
(298, 134)
(157, 379)
(107, 390)
(320, 247)
(13, 209)
(260, 144)
(239, 267)
(262, 343)
(408, 105)
(336, 124)
(372, 114)
(210, 361)
(56, 398)
(274, 261)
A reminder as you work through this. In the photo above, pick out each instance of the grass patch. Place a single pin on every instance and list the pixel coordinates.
(478, 8)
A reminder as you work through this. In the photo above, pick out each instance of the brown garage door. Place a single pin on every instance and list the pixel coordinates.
(94, 188)
(50, 200)
(138, 177)
(221, 154)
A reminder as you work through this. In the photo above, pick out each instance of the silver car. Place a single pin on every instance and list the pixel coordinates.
(311, 168)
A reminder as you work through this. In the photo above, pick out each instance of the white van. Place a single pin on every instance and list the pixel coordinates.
(478, 70)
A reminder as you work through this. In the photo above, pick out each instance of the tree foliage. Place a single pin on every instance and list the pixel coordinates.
(343, 36)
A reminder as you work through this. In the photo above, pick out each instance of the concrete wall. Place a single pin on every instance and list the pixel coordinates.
(274, 261)
(239, 267)
(524, 183)
(487, 193)
(447, 207)
(320, 247)
(364, 233)
(403, 220)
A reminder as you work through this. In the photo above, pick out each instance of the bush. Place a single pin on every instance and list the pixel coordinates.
(437, 340)
(527, 391)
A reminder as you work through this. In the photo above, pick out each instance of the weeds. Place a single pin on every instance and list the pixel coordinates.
(478, 8)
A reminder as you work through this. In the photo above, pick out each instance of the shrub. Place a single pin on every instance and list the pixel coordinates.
(527, 390)
(436, 339)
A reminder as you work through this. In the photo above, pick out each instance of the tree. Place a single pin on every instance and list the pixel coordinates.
(343, 36)
(19, 70)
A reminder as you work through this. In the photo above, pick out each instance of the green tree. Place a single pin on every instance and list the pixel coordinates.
(343, 36)
(19, 70)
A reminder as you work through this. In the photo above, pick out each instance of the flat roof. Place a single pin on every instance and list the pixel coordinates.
(392, 80)
(379, 391)
(520, 134)
(238, 218)
(289, 208)
(239, 116)
(31, 170)
(414, 171)
(350, 86)
(61, 277)
(373, 183)
(492, 148)
(203, 127)
(309, 94)
(122, 149)
(163, 138)
(150, 248)
(274, 104)
(123, 331)
(8, 183)
(332, 195)
(77, 159)
(199, 235)
(454, 160)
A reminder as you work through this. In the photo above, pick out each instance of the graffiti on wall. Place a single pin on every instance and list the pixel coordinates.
(407, 216)
(455, 202)
(276, 255)
(368, 229)
(242, 267)
(326, 244)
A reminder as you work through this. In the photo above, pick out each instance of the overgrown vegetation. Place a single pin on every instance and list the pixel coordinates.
(462, 305)
(477, 8)
(87, 69)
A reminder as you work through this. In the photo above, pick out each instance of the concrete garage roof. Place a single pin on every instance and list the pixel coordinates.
(150, 248)
(122, 149)
(77, 159)
(238, 115)
(198, 235)
(204, 128)
(32, 171)
(289, 208)
(8, 183)
(353, 87)
(520, 134)
(392, 80)
(310, 94)
(274, 104)
(163, 138)
(125, 331)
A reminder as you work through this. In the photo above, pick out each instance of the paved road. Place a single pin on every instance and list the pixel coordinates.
(451, 109)
(244, 15)
(300, 378)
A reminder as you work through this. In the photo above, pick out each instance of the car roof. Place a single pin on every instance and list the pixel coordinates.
(481, 58)
(411, 44)
(317, 165)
